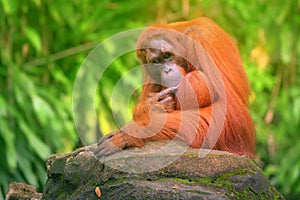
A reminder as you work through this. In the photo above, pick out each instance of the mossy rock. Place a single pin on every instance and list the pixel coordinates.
(160, 170)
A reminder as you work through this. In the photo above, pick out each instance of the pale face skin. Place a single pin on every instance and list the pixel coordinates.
(160, 64)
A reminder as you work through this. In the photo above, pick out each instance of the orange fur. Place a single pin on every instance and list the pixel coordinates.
(237, 135)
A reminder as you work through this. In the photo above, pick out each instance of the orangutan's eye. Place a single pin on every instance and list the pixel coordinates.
(167, 55)
(156, 60)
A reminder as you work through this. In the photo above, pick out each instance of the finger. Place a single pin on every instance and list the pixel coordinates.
(151, 94)
(173, 89)
(164, 93)
(110, 150)
(167, 100)
(153, 100)
(102, 153)
(102, 148)
(106, 137)
(106, 149)
(167, 92)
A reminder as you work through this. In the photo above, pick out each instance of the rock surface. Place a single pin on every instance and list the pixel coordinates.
(160, 170)
(22, 191)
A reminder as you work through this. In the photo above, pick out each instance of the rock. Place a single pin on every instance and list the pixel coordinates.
(22, 191)
(160, 170)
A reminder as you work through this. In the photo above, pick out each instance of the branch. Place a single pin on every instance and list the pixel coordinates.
(61, 54)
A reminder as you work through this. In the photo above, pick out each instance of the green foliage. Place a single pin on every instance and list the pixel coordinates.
(44, 43)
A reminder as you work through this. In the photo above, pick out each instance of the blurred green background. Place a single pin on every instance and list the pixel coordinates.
(43, 44)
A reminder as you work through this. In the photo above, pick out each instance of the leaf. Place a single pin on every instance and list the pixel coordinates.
(26, 167)
(34, 38)
(40, 148)
(42, 109)
(37, 2)
(55, 14)
(295, 172)
(286, 43)
(9, 6)
(296, 110)
(9, 139)
(59, 75)
(3, 105)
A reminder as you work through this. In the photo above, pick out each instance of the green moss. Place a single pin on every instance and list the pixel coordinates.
(190, 155)
(70, 159)
(189, 181)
